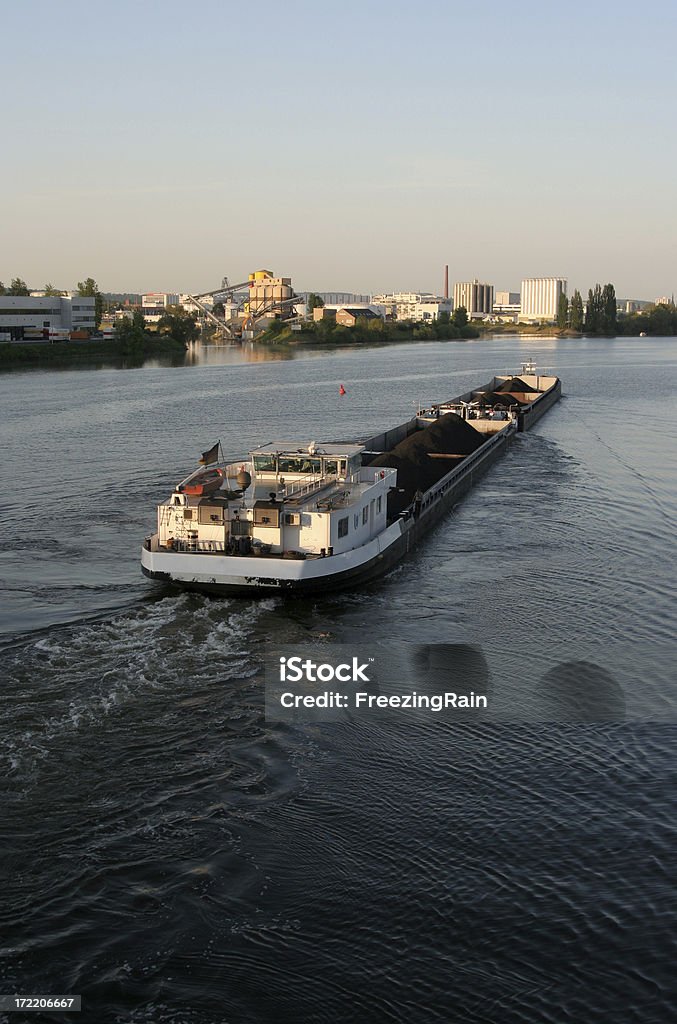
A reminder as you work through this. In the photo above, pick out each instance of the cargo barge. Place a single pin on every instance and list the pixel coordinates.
(305, 518)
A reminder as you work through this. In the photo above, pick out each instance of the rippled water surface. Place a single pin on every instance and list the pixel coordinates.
(174, 858)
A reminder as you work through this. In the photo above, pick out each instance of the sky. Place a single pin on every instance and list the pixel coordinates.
(160, 146)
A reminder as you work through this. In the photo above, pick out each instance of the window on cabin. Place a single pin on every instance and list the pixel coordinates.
(378, 504)
(330, 467)
(356, 522)
(365, 514)
(343, 527)
(264, 464)
(301, 464)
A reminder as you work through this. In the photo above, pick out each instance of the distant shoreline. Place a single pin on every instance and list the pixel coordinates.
(109, 354)
(38, 356)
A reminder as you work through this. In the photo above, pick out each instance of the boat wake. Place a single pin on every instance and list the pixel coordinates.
(70, 680)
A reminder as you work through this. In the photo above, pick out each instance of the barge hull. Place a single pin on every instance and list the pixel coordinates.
(526, 420)
(191, 573)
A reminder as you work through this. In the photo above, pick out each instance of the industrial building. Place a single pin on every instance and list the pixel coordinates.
(540, 298)
(476, 297)
(154, 305)
(267, 292)
(349, 317)
(507, 306)
(416, 306)
(45, 317)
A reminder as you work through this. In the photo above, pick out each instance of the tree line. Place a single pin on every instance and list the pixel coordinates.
(175, 323)
(600, 315)
(660, 320)
(597, 316)
(446, 327)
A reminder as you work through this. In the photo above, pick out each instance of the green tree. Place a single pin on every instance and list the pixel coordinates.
(218, 309)
(18, 287)
(179, 324)
(2, 288)
(130, 339)
(576, 315)
(123, 328)
(460, 316)
(662, 320)
(138, 323)
(275, 327)
(50, 290)
(314, 302)
(563, 311)
(326, 328)
(594, 314)
(609, 309)
(90, 289)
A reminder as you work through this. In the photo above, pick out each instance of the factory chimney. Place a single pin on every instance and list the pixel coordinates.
(446, 281)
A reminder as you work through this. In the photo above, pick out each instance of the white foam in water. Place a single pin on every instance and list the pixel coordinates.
(67, 685)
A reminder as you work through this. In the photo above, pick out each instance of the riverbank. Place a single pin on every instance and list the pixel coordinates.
(542, 330)
(90, 353)
(373, 332)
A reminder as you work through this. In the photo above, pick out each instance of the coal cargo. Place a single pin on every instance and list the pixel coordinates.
(516, 384)
(503, 399)
(416, 471)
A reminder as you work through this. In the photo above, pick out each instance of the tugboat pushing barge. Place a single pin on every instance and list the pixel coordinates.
(312, 518)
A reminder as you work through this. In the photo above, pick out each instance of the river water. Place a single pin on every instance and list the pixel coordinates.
(173, 857)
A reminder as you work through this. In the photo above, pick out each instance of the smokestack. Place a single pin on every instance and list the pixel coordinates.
(446, 281)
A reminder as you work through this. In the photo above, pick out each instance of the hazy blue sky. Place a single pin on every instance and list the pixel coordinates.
(357, 146)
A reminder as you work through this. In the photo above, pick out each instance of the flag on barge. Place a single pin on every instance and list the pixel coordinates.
(210, 456)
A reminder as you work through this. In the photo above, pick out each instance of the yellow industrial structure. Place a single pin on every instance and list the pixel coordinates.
(267, 292)
(267, 296)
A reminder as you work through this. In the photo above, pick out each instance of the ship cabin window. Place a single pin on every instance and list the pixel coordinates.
(342, 468)
(354, 464)
(365, 514)
(356, 522)
(265, 464)
(209, 514)
(378, 503)
(343, 527)
(330, 467)
(299, 464)
(187, 513)
(265, 515)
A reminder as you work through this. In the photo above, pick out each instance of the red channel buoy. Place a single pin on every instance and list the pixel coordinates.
(342, 390)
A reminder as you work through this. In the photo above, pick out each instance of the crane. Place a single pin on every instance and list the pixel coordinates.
(228, 289)
(221, 324)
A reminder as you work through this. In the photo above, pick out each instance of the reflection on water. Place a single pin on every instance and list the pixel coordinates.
(229, 354)
(251, 352)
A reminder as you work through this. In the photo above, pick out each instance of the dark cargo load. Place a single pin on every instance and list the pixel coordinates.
(504, 398)
(515, 384)
(449, 435)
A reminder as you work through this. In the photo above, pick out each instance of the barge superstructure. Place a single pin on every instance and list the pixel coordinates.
(314, 517)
